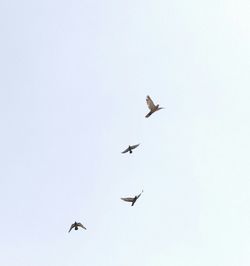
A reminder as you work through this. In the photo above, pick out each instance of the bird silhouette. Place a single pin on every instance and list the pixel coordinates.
(133, 200)
(130, 148)
(76, 225)
(152, 107)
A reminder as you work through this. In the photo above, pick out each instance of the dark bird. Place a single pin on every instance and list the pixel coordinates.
(76, 225)
(130, 148)
(133, 200)
(152, 107)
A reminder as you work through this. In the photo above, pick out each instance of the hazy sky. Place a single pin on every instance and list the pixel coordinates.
(74, 79)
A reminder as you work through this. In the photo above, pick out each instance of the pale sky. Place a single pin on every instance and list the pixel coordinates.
(74, 80)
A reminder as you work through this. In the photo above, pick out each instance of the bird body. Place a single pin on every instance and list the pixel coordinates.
(130, 148)
(152, 107)
(75, 225)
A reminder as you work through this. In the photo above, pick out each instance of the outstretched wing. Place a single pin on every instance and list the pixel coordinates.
(138, 196)
(126, 150)
(134, 146)
(150, 103)
(128, 199)
(71, 227)
(149, 114)
(80, 225)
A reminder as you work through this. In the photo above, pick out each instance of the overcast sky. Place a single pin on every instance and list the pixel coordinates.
(74, 80)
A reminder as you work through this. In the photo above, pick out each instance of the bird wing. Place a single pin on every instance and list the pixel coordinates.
(71, 227)
(150, 103)
(138, 196)
(80, 225)
(149, 114)
(126, 150)
(128, 199)
(134, 146)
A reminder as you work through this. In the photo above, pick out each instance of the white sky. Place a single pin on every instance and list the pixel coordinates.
(74, 78)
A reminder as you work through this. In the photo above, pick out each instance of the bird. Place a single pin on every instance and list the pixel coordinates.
(76, 225)
(133, 200)
(130, 148)
(152, 107)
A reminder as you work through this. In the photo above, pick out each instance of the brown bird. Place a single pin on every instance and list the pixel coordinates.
(133, 200)
(130, 148)
(152, 107)
(76, 225)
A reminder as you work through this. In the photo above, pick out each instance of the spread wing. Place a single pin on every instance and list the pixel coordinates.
(150, 103)
(71, 227)
(136, 198)
(139, 195)
(134, 146)
(128, 199)
(126, 150)
(149, 114)
(80, 225)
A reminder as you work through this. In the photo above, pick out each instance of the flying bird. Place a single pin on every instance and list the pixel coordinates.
(152, 107)
(76, 225)
(130, 148)
(133, 200)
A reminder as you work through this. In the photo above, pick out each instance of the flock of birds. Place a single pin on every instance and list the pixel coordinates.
(153, 108)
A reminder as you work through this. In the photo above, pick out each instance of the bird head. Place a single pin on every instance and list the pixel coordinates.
(159, 108)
